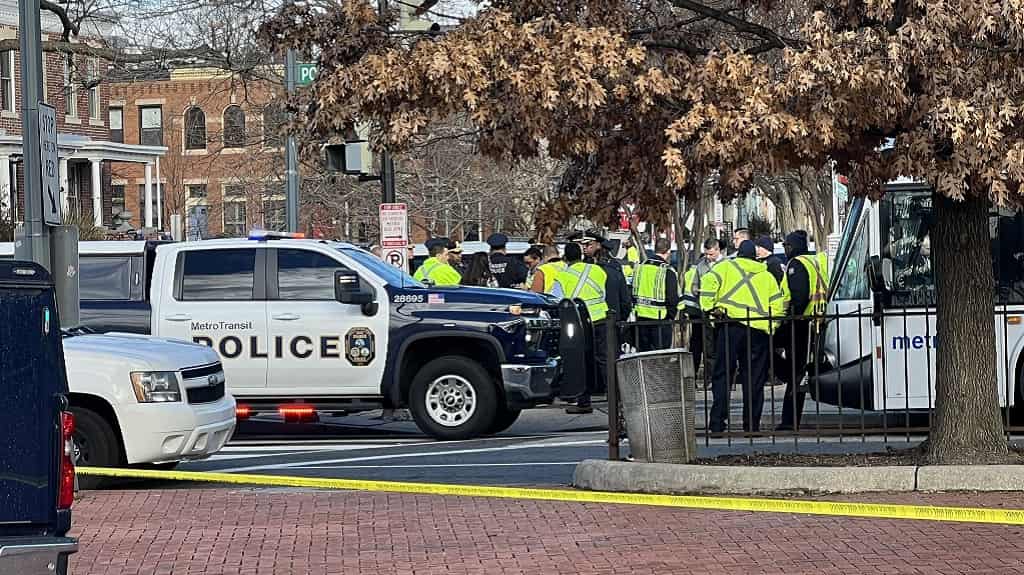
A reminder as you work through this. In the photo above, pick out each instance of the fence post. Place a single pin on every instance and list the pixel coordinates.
(611, 380)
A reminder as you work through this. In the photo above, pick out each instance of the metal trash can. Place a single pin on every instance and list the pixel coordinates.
(657, 391)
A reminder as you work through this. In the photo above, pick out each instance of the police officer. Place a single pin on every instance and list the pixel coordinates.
(507, 270)
(702, 339)
(656, 294)
(743, 293)
(632, 260)
(544, 277)
(436, 268)
(766, 255)
(586, 282)
(804, 289)
(455, 256)
(620, 297)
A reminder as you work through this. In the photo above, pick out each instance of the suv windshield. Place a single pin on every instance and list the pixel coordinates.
(392, 275)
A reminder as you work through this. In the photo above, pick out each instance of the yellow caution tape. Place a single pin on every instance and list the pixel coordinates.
(836, 508)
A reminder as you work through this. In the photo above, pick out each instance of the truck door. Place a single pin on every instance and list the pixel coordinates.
(321, 347)
(32, 383)
(218, 298)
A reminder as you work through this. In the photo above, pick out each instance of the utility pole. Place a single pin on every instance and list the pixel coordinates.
(291, 153)
(387, 164)
(35, 245)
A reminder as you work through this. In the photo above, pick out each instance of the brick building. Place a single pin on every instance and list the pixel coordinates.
(72, 85)
(224, 168)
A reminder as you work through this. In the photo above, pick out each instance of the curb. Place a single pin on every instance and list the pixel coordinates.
(631, 477)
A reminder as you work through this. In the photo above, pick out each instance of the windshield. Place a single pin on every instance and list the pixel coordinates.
(852, 258)
(905, 222)
(392, 276)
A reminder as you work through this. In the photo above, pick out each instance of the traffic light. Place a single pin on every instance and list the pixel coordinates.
(353, 157)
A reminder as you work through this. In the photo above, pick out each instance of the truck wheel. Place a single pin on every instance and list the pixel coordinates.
(95, 446)
(453, 397)
(503, 419)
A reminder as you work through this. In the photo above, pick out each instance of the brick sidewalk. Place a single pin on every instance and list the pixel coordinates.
(257, 532)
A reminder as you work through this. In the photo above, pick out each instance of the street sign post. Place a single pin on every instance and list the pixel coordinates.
(394, 233)
(50, 188)
(307, 74)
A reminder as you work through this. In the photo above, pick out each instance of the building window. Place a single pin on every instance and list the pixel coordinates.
(94, 90)
(274, 215)
(151, 126)
(195, 192)
(273, 126)
(195, 129)
(70, 91)
(116, 199)
(234, 127)
(7, 80)
(117, 125)
(234, 219)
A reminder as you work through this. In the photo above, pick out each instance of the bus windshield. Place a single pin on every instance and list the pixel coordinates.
(906, 221)
(852, 257)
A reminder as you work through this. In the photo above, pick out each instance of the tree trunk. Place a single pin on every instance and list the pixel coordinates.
(967, 427)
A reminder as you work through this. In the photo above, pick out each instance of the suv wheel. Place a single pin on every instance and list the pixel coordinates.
(95, 445)
(453, 397)
(503, 419)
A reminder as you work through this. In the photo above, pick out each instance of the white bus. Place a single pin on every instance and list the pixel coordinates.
(880, 343)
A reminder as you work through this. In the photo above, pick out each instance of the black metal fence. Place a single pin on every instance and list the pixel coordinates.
(865, 376)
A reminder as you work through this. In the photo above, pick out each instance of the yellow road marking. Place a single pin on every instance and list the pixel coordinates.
(799, 506)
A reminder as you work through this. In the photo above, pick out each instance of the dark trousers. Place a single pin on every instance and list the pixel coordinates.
(654, 337)
(598, 382)
(702, 346)
(743, 353)
(794, 337)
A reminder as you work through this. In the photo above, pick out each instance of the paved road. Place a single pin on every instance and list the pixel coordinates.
(290, 532)
(541, 449)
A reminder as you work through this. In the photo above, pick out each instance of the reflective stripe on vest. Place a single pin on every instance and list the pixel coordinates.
(425, 269)
(746, 304)
(649, 291)
(551, 270)
(817, 278)
(584, 287)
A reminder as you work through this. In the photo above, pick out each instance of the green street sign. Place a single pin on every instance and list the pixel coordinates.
(307, 74)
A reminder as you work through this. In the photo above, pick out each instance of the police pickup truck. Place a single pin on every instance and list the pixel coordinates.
(308, 326)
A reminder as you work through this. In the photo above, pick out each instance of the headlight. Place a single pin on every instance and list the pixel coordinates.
(156, 386)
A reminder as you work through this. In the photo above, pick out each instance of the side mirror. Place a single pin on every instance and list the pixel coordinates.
(880, 274)
(348, 290)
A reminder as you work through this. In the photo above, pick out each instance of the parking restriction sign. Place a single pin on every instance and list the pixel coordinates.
(394, 233)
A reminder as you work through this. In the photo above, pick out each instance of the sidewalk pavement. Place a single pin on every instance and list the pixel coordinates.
(284, 532)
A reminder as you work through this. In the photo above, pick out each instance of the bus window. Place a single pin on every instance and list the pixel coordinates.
(853, 281)
(906, 220)
(1008, 256)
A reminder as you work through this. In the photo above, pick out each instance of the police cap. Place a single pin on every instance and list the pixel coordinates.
(434, 242)
(497, 241)
(593, 235)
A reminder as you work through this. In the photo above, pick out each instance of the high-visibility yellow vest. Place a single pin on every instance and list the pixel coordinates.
(745, 290)
(550, 271)
(586, 282)
(649, 290)
(438, 272)
(686, 296)
(632, 261)
(817, 277)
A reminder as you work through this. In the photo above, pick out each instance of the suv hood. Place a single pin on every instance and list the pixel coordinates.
(482, 295)
(135, 353)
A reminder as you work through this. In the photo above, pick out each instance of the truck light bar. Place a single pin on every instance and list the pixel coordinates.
(264, 235)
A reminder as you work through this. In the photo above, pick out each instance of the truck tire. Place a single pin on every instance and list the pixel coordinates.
(503, 419)
(453, 397)
(95, 445)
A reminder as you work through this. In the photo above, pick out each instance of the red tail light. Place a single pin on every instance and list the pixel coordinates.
(296, 410)
(66, 494)
(243, 412)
